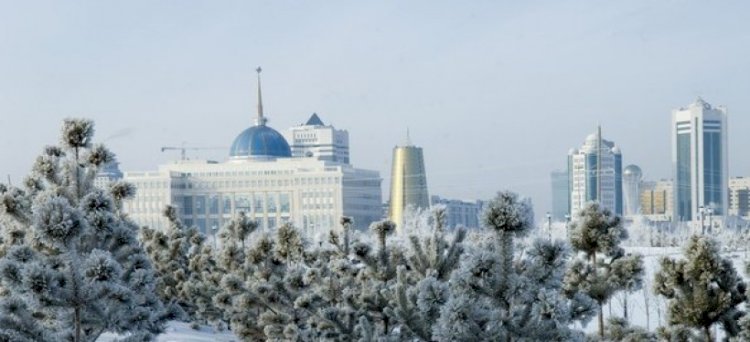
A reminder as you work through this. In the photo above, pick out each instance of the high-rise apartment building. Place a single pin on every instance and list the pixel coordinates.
(596, 174)
(408, 183)
(699, 158)
(560, 195)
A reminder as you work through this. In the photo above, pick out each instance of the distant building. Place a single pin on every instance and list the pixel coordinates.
(739, 197)
(109, 174)
(560, 195)
(656, 200)
(408, 182)
(460, 213)
(631, 178)
(596, 174)
(317, 140)
(262, 179)
(699, 157)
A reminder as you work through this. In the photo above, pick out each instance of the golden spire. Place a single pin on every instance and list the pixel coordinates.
(261, 120)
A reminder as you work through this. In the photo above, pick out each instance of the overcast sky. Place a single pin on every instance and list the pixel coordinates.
(496, 92)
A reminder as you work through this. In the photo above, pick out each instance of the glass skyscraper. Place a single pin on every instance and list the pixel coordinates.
(595, 172)
(699, 158)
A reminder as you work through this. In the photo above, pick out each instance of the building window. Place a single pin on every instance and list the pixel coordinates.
(187, 205)
(213, 204)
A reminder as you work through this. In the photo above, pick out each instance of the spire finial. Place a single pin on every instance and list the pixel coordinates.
(261, 120)
(408, 137)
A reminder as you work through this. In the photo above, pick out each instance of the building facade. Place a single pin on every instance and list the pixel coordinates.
(408, 183)
(460, 213)
(656, 200)
(595, 171)
(739, 197)
(699, 158)
(264, 180)
(631, 177)
(109, 174)
(560, 195)
(314, 139)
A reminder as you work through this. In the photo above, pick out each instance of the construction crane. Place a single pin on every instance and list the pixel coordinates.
(184, 148)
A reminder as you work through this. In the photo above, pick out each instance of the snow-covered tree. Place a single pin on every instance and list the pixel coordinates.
(422, 288)
(619, 329)
(497, 295)
(702, 289)
(71, 259)
(601, 268)
(187, 276)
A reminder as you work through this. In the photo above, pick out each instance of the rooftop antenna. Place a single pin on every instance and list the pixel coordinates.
(408, 137)
(261, 120)
(599, 163)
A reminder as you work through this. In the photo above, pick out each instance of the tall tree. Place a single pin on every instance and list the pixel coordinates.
(71, 259)
(601, 268)
(498, 295)
(702, 289)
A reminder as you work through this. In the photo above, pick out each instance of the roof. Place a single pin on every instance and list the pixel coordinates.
(314, 120)
(260, 141)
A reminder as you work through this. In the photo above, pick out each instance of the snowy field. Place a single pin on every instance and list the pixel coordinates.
(181, 332)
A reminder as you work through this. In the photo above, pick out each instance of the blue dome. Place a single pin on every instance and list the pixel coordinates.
(260, 141)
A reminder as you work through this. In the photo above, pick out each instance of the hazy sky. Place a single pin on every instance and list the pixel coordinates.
(495, 91)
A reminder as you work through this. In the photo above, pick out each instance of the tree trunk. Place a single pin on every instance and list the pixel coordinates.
(601, 320)
(625, 307)
(707, 331)
(77, 318)
(601, 310)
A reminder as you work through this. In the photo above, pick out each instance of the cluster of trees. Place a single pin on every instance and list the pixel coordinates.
(73, 266)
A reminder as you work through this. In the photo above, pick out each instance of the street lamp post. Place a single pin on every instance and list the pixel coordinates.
(549, 226)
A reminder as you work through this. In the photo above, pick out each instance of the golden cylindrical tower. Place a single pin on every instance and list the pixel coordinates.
(408, 183)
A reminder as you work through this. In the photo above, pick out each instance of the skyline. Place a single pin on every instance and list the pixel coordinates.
(470, 82)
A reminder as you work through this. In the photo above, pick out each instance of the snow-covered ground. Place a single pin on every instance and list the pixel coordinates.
(181, 332)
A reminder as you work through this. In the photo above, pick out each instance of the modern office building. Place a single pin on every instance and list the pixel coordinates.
(560, 195)
(656, 200)
(262, 179)
(631, 177)
(460, 213)
(596, 174)
(408, 182)
(699, 158)
(317, 140)
(739, 197)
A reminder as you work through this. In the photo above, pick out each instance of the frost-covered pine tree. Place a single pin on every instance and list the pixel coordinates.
(601, 268)
(498, 295)
(71, 263)
(422, 288)
(262, 280)
(702, 289)
(185, 268)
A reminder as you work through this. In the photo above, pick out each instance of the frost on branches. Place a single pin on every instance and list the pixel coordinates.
(601, 267)
(701, 290)
(70, 265)
(496, 294)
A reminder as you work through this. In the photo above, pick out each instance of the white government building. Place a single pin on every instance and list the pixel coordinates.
(310, 183)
